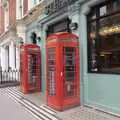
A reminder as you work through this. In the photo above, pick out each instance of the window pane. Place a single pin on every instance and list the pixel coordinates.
(69, 64)
(110, 25)
(51, 71)
(34, 2)
(92, 30)
(103, 10)
(92, 14)
(116, 5)
(110, 54)
(104, 39)
(110, 44)
(92, 47)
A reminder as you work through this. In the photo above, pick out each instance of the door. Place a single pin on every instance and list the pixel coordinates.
(32, 70)
(51, 71)
(69, 71)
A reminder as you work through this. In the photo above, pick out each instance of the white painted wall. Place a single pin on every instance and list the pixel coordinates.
(21, 31)
(4, 54)
(30, 5)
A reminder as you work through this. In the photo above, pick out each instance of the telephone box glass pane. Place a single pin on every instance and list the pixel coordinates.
(32, 62)
(69, 70)
(51, 71)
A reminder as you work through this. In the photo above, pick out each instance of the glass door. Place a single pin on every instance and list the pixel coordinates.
(69, 71)
(51, 71)
(32, 66)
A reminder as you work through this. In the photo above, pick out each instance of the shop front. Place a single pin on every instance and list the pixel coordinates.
(99, 33)
(100, 37)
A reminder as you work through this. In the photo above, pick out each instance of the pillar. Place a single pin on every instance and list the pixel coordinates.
(12, 55)
(2, 56)
(21, 31)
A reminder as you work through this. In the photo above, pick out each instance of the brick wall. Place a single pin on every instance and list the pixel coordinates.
(25, 6)
(12, 11)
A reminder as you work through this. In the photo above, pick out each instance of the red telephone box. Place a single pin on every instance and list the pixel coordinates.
(30, 68)
(62, 71)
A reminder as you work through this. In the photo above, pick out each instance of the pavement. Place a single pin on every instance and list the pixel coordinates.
(32, 103)
(9, 110)
(32, 107)
(85, 113)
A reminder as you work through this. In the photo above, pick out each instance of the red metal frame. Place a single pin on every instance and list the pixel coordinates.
(67, 94)
(30, 68)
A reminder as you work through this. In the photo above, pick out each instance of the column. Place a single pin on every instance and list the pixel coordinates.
(74, 16)
(2, 56)
(7, 60)
(12, 55)
(42, 34)
(17, 58)
(21, 31)
(39, 34)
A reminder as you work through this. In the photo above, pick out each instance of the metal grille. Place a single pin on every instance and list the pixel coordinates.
(51, 71)
(9, 77)
(69, 71)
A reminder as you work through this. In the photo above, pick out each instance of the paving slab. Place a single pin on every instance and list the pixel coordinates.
(10, 110)
(85, 113)
(35, 97)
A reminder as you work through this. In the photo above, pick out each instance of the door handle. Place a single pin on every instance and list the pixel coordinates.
(61, 74)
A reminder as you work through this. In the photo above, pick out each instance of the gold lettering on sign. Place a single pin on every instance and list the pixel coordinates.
(52, 40)
(35, 49)
(69, 39)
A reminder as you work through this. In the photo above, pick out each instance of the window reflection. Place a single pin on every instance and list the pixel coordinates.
(116, 5)
(104, 38)
(103, 10)
(51, 71)
(69, 64)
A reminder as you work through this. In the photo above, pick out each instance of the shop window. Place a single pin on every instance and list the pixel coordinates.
(104, 38)
(34, 2)
(116, 5)
(92, 14)
(103, 10)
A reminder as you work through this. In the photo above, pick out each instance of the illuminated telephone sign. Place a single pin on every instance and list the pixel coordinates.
(30, 68)
(63, 89)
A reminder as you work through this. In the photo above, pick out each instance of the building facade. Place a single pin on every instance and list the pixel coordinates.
(13, 30)
(96, 23)
(98, 30)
